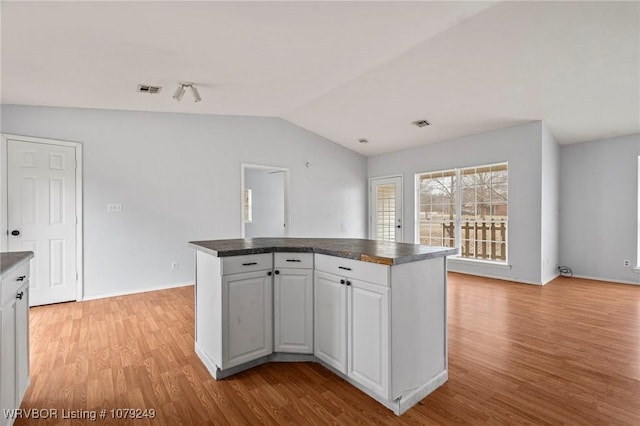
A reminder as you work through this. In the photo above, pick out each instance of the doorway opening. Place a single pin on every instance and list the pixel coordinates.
(385, 208)
(265, 201)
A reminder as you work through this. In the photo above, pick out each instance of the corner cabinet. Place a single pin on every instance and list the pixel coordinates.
(14, 340)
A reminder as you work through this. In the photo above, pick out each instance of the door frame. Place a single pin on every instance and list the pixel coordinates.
(4, 198)
(287, 187)
(370, 203)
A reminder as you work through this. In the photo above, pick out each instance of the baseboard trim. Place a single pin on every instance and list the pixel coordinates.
(551, 279)
(494, 277)
(135, 291)
(586, 277)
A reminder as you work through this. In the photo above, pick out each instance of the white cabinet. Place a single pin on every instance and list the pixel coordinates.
(247, 331)
(368, 335)
(352, 326)
(234, 309)
(293, 303)
(14, 340)
(330, 320)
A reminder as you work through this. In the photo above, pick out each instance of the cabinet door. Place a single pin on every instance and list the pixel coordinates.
(248, 318)
(22, 342)
(7, 359)
(368, 336)
(293, 310)
(330, 320)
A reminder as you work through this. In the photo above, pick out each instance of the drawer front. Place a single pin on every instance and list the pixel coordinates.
(293, 260)
(12, 282)
(356, 269)
(247, 263)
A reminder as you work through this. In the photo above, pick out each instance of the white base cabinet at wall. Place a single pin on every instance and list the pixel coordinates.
(293, 303)
(14, 341)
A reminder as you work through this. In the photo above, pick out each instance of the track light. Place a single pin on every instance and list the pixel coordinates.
(180, 92)
(196, 95)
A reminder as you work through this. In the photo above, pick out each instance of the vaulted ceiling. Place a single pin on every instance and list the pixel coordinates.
(345, 70)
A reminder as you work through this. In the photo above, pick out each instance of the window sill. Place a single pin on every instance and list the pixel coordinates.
(456, 260)
(637, 269)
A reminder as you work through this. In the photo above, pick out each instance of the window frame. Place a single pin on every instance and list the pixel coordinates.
(458, 171)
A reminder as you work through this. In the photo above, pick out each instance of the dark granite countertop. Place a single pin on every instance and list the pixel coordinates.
(382, 252)
(11, 259)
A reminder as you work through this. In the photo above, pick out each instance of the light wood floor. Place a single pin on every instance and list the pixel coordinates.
(566, 353)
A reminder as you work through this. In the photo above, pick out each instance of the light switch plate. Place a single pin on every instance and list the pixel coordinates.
(114, 208)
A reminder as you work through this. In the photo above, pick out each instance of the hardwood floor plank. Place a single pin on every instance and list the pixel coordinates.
(565, 353)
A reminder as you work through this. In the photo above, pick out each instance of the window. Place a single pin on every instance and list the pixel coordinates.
(465, 208)
(247, 206)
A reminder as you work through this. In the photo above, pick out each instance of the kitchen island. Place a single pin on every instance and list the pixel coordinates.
(373, 312)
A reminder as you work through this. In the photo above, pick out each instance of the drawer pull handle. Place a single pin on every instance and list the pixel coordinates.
(345, 268)
(21, 278)
(19, 295)
(294, 260)
(250, 263)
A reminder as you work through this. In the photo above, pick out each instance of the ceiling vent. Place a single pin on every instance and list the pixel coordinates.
(421, 123)
(145, 88)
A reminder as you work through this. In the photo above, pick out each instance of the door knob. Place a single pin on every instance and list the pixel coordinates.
(15, 232)
(277, 272)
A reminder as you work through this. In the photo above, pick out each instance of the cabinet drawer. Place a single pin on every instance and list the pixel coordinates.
(356, 269)
(246, 263)
(10, 283)
(293, 260)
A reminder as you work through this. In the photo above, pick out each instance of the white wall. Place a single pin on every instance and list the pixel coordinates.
(550, 206)
(178, 179)
(267, 191)
(521, 147)
(599, 208)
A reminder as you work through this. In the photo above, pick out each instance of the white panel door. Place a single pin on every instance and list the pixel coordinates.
(42, 216)
(293, 310)
(249, 304)
(385, 209)
(330, 320)
(368, 336)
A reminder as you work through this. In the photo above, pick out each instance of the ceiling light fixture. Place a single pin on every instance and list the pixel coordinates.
(363, 140)
(180, 92)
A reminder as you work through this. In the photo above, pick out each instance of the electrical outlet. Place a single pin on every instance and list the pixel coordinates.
(174, 265)
(627, 263)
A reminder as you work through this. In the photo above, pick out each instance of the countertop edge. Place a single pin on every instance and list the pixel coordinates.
(319, 250)
(26, 256)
